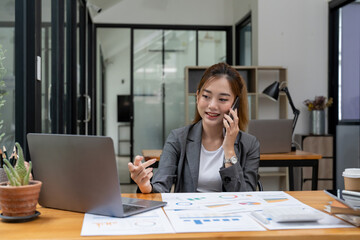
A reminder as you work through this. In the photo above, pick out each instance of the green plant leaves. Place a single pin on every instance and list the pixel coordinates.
(18, 175)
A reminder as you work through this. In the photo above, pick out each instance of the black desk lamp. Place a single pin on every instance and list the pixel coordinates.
(272, 92)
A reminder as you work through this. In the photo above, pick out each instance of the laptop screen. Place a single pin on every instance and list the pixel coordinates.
(78, 173)
(274, 135)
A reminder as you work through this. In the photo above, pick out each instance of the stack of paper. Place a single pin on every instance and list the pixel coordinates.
(352, 198)
(336, 207)
(347, 208)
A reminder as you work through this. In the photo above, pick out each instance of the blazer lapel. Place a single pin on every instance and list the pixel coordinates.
(193, 146)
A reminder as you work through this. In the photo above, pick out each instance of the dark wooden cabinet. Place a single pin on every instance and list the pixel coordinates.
(320, 144)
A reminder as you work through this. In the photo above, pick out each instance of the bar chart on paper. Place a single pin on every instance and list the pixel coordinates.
(203, 221)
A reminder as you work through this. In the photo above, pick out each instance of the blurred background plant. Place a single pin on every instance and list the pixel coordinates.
(319, 103)
(3, 92)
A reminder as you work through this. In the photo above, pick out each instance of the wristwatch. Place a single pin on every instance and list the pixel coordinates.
(233, 160)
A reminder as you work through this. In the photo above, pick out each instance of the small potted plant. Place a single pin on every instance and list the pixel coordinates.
(19, 195)
(317, 113)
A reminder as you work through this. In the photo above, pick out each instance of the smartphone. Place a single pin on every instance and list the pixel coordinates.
(234, 106)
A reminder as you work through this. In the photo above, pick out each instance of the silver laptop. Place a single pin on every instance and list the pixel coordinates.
(79, 174)
(274, 135)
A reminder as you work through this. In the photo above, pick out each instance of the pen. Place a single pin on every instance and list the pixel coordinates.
(260, 217)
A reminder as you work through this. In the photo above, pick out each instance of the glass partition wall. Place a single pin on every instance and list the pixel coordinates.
(7, 75)
(46, 66)
(113, 51)
(148, 65)
(148, 89)
(212, 47)
(38, 47)
(64, 62)
(179, 52)
(159, 60)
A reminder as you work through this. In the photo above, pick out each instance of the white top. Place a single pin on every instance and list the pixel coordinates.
(210, 164)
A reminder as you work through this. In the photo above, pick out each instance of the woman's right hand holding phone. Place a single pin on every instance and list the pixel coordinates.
(141, 173)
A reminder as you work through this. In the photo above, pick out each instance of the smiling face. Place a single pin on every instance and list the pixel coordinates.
(215, 100)
(235, 86)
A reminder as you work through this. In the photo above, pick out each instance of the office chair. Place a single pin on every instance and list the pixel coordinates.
(259, 185)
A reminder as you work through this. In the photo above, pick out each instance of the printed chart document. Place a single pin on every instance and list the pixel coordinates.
(209, 212)
(151, 222)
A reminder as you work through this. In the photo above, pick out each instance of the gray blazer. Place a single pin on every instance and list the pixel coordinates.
(180, 159)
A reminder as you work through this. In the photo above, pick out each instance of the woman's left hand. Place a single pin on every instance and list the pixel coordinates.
(232, 130)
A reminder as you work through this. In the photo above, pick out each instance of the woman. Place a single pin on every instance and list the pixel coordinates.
(213, 154)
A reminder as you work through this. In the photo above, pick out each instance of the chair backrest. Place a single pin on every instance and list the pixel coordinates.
(259, 185)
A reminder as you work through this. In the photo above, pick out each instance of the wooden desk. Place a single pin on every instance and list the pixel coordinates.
(67, 225)
(291, 160)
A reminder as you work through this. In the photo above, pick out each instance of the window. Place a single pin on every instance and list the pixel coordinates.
(7, 75)
(243, 40)
(349, 62)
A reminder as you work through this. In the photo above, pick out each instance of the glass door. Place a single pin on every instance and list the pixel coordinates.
(160, 57)
(53, 112)
(46, 66)
(46, 83)
(148, 91)
(65, 104)
(212, 47)
(114, 102)
(179, 52)
(7, 73)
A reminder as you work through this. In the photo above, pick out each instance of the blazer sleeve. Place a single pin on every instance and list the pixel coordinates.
(243, 176)
(166, 173)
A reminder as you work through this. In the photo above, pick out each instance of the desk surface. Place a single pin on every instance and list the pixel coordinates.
(296, 155)
(67, 225)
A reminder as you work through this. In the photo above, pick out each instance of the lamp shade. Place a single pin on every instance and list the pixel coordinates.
(272, 91)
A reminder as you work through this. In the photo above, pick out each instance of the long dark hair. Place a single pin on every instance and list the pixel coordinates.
(238, 87)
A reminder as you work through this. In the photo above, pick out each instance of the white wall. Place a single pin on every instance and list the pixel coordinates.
(173, 12)
(298, 40)
(292, 34)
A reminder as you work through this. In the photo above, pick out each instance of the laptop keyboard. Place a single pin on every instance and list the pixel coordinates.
(130, 208)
